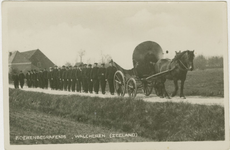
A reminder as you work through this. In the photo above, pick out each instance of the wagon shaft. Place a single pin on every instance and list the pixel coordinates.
(158, 75)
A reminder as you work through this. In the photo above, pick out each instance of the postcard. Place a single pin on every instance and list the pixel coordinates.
(115, 75)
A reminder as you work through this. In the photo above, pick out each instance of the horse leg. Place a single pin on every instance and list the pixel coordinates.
(176, 88)
(164, 92)
(182, 89)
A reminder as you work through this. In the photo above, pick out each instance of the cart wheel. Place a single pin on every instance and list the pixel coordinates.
(119, 83)
(132, 87)
(148, 87)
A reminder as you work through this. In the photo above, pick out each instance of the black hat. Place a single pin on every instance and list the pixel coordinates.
(103, 64)
(89, 65)
(95, 63)
(75, 65)
(63, 66)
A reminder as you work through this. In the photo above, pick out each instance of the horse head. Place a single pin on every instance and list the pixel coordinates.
(185, 59)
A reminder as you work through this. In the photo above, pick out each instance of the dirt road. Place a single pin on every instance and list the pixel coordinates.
(151, 98)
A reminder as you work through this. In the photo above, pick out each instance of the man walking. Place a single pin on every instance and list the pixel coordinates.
(45, 78)
(31, 78)
(73, 78)
(15, 78)
(69, 78)
(50, 77)
(101, 75)
(36, 78)
(94, 78)
(65, 78)
(110, 71)
(55, 78)
(79, 77)
(21, 79)
(84, 78)
(61, 83)
(88, 77)
(28, 81)
(40, 79)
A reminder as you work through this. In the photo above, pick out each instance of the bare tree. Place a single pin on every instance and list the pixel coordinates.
(67, 64)
(81, 53)
(105, 58)
(89, 61)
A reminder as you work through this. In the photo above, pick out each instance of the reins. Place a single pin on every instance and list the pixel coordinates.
(186, 68)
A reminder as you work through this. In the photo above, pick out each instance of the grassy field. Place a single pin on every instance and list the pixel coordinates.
(207, 82)
(33, 113)
(27, 122)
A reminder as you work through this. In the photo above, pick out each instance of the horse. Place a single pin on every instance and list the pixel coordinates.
(181, 64)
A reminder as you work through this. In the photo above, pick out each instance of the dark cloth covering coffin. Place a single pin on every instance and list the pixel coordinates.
(145, 55)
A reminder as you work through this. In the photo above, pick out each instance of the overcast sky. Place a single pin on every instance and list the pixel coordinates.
(59, 30)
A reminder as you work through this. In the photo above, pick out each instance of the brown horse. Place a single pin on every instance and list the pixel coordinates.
(182, 63)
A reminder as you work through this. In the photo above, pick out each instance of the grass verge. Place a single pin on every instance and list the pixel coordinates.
(156, 121)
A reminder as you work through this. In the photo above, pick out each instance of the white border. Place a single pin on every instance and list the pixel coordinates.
(171, 145)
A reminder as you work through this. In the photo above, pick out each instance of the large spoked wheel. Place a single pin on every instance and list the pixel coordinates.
(148, 87)
(119, 83)
(132, 87)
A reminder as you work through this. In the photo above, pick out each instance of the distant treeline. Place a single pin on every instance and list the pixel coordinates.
(201, 62)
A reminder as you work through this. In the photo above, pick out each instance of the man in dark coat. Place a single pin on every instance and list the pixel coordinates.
(28, 81)
(61, 84)
(84, 78)
(69, 78)
(73, 78)
(36, 78)
(59, 80)
(79, 77)
(102, 79)
(55, 78)
(16, 80)
(88, 77)
(45, 78)
(51, 79)
(94, 78)
(64, 78)
(40, 79)
(110, 71)
(21, 77)
(31, 78)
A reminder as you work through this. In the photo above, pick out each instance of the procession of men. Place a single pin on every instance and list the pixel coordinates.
(79, 78)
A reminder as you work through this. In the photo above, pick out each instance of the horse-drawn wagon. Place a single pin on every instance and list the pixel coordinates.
(142, 75)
